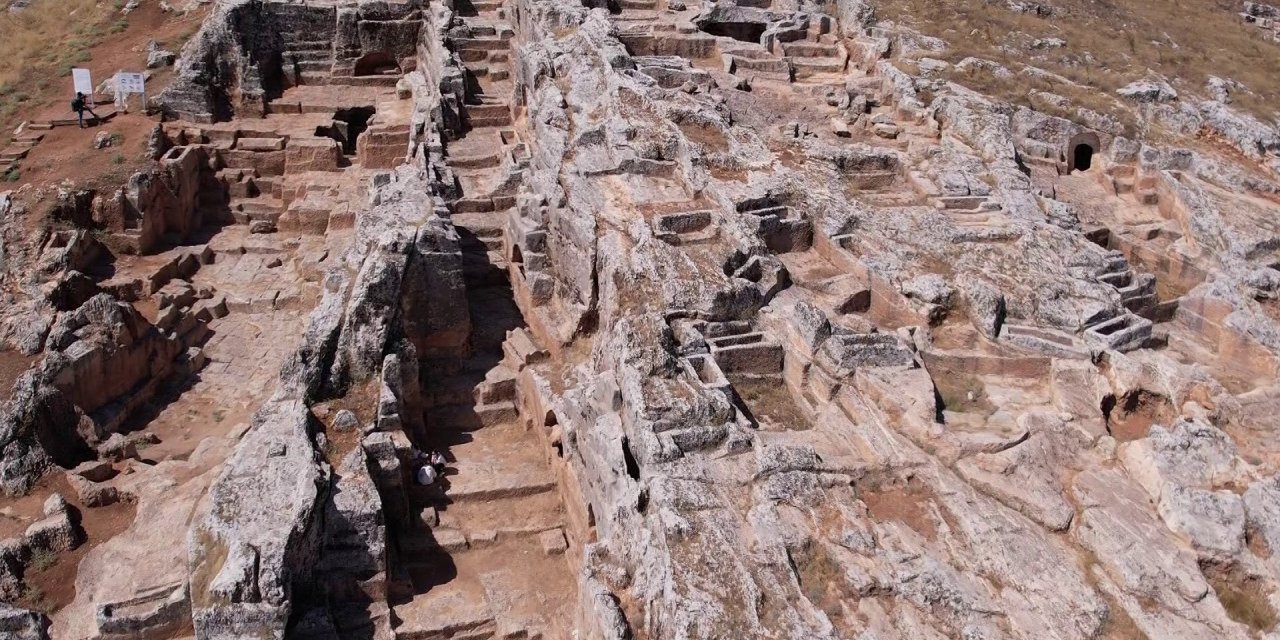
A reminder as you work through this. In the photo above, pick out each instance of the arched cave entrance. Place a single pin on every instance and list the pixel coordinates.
(1081, 149)
(1082, 157)
(377, 63)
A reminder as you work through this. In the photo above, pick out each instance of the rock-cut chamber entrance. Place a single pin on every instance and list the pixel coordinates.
(1082, 157)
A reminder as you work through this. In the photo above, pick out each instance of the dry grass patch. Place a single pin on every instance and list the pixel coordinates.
(40, 45)
(1109, 43)
(1245, 599)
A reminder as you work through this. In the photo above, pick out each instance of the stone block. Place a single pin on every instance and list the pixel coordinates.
(553, 542)
(93, 494)
(260, 144)
(318, 154)
(54, 534)
(14, 555)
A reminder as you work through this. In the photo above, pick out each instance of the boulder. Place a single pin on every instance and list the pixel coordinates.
(21, 624)
(260, 537)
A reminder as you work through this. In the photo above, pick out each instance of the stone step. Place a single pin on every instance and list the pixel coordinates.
(481, 44)
(483, 267)
(495, 121)
(482, 224)
(638, 5)
(423, 546)
(249, 210)
(808, 67)
(453, 612)
(13, 154)
(504, 518)
(465, 417)
(772, 66)
(454, 390)
(103, 116)
(805, 49)
(315, 66)
(498, 385)
(504, 461)
(309, 45)
(305, 55)
(474, 205)
(482, 242)
(962, 202)
(483, 161)
(489, 110)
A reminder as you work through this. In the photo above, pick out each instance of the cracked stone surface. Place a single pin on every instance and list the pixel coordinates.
(728, 319)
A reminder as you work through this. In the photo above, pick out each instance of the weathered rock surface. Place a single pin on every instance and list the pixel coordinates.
(730, 320)
(257, 544)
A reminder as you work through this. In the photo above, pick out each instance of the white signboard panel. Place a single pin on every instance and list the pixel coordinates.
(130, 83)
(83, 81)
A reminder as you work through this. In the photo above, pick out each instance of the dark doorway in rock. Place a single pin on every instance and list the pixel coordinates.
(377, 63)
(1082, 157)
(741, 31)
(347, 126)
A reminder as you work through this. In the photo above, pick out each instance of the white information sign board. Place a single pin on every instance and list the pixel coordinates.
(83, 81)
(130, 82)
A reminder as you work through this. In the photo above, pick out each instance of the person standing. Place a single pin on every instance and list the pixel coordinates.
(81, 105)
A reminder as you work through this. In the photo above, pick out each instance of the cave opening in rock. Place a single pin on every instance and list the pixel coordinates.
(741, 31)
(633, 468)
(347, 126)
(377, 63)
(1082, 157)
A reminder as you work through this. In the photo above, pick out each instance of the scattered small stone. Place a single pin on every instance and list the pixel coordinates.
(55, 504)
(345, 421)
(102, 140)
(118, 448)
(889, 131)
(161, 58)
(262, 226)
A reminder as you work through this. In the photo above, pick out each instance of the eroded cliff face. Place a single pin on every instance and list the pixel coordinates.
(730, 319)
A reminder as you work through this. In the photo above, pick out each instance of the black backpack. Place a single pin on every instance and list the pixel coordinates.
(77, 105)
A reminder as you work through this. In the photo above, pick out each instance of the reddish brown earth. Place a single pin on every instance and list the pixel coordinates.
(67, 153)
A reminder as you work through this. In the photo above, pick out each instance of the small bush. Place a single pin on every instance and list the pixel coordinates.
(34, 598)
(117, 139)
(43, 559)
(119, 26)
(12, 175)
(117, 158)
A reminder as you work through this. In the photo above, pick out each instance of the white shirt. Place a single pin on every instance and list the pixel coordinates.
(426, 475)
